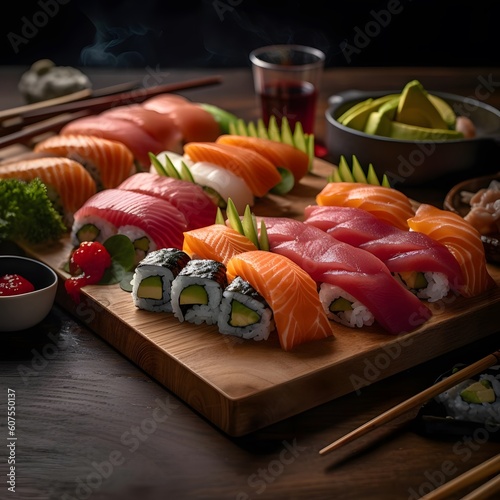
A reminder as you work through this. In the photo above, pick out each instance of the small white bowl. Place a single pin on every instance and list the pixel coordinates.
(18, 312)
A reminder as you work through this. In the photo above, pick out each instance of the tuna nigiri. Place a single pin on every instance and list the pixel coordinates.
(359, 274)
(109, 162)
(290, 293)
(150, 222)
(216, 242)
(194, 122)
(69, 184)
(258, 172)
(387, 204)
(279, 153)
(424, 265)
(463, 241)
(187, 197)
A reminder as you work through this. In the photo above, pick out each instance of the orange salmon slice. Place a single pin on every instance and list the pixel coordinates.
(113, 160)
(278, 153)
(462, 240)
(290, 292)
(257, 171)
(216, 242)
(387, 204)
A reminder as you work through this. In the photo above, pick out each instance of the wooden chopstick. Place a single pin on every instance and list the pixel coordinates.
(19, 111)
(485, 491)
(105, 102)
(472, 476)
(415, 401)
(50, 125)
(64, 113)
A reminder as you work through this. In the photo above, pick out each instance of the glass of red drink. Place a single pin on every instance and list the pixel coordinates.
(287, 79)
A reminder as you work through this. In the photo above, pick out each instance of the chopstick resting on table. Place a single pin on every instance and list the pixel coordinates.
(17, 113)
(472, 476)
(415, 401)
(99, 104)
(36, 120)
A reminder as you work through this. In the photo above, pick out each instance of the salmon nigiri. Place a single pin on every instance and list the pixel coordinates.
(279, 153)
(290, 292)
(463, 241)
(68, 183)
(109, 162)
(216, 242)
(194, 122)
(387, 204)
(159, 126)
(116, 129)
(256, 170)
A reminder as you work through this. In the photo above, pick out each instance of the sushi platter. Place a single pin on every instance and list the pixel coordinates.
(241, 385)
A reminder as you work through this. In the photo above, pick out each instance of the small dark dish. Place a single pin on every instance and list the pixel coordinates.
(18, 312)
(416, 162)
(433, 418)
(454, 203)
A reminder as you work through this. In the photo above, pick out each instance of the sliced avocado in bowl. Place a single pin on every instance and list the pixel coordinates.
(415, 108)
(407, 132)
(357, 119)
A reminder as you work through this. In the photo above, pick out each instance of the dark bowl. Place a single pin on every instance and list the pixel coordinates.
(417, 162)
(454, 203)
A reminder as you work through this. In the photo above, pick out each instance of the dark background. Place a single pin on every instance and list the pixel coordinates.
(220, 33)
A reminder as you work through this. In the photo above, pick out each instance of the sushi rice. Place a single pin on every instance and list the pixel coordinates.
(481, 413)
(104, 230)
(357, 317)
(211, 276)
(437, 287)
(242, 292)
(134, 234)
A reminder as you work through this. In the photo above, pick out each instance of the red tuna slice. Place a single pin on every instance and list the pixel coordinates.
(400, 250)
(187, 197)
(357, 272)
(124, 131)
(195, 123)
(158, 219)
(159, 126)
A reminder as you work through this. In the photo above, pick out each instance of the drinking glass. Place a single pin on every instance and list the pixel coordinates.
(287, 80)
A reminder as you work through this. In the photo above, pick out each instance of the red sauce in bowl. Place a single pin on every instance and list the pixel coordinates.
(14, 284)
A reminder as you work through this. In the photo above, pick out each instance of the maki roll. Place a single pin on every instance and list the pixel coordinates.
(197, 291)
(475, 400)
(153, 276)
(244, 312)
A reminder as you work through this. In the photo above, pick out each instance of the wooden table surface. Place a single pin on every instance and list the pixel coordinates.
(90, 424)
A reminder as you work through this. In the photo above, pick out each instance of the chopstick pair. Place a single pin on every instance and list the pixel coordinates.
(33, 120)
(472, 476)
(16, 114)
(415, 401)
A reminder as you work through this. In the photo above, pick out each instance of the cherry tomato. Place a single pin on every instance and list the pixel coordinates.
(14, 284)
(87, 266)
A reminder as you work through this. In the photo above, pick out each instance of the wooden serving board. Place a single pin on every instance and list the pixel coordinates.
(242, 386)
